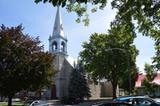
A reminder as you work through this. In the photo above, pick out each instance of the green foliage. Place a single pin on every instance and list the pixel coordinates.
(149, 88)
(144, 14)
(149, 69)
(63, 3)
(128, 81)
(78, 86)
(81, 11)
(110, 56)
(156, 58)
(23, 63)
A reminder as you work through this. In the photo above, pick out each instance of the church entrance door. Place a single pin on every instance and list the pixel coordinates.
(53, 92)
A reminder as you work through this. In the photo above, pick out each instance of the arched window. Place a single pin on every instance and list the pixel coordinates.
(63, 46)
(54, 46)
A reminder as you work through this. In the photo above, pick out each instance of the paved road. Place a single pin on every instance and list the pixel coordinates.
(85, 103)
(80, 104)
(88, 103)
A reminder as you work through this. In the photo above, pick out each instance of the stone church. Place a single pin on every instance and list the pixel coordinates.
(58, 47)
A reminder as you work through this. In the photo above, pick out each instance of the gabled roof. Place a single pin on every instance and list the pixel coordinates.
(157, 79)
(141, 77)
(139, 80)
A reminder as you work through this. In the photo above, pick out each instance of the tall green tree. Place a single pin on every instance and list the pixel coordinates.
(127, 83)
(111, 55)
(78, 86)
(84, 85)
(23, 63)
(150, 74)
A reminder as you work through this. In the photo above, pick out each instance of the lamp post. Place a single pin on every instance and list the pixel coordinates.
(128, 63)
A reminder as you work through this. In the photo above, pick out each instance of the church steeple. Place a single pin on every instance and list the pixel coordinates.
(58, 41)
(58, 27)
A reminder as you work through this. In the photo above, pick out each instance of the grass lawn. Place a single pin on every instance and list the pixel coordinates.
(13, 104)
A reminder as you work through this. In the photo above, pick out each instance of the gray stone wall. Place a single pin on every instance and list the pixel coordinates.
(95, 90)
(102, 89)
(106, 89)
(62, 77)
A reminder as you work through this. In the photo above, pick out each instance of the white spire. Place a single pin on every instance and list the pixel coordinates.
(58, 28)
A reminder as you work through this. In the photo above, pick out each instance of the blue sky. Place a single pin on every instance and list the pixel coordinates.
(38, 20)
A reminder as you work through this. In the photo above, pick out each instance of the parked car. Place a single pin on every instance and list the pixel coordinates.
(28, 102)
(39, 103)
(13, 100)
(16, 100)
(138, 100)
(111, 103)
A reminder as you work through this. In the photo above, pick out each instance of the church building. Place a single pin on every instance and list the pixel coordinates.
(58, 47)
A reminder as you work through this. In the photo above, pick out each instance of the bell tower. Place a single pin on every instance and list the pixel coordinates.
(58, 41)
(58, 47)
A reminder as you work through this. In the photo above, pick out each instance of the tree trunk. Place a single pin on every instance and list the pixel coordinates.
(9, 100)
(114, 88)
(1, 97)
